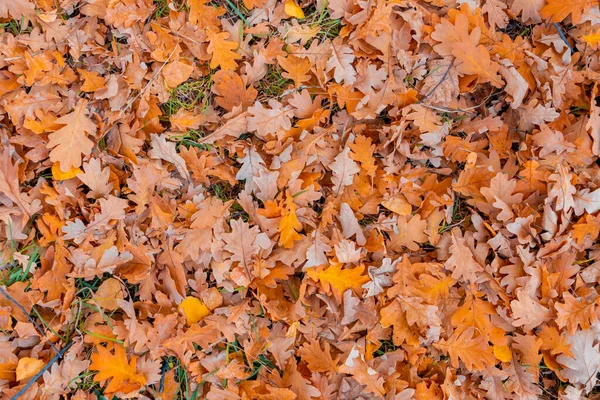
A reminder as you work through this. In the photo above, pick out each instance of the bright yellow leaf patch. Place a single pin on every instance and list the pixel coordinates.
(59, 175)
(193, 309)
(293, 10)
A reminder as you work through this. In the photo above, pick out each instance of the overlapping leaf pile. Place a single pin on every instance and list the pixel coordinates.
(253, 199)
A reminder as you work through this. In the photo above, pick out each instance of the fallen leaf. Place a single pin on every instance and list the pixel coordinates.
(193, 309)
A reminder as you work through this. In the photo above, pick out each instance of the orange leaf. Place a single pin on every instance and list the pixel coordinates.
(474, 352)
(222, 50)
(290, 225)
(557, 10)
(318, 360)
(176, 72)
(296, 68)
(28, 367)
(122, 374)
(231, 90)
(337, 279)
(71, 141)
(475, 60)
(92, 81)
(592, 38)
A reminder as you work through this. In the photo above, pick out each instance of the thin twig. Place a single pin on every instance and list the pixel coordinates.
(563, 37)
(39, 328)
(437, 85)
(54, 359)
(449, 110)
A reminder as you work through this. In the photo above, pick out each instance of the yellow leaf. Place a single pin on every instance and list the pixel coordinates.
(502, 353)
(337, 279)
(59, 175)
(289, 225)
(592, 39)
(122, 374)
(293, 10)
(28, 367)
(193, 309)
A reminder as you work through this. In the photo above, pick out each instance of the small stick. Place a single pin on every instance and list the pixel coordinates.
(563, 37)
(437, 85)
(39, 328)
(54, 359)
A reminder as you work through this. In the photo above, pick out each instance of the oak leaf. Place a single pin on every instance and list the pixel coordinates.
(231, 90)
(344, 168)
(365, 375)
(408, 233)
(296, 68)
(558, 10)
(240, 242)
(475, 60)
(586, 200)
(461, 262)
(575, 313)
(290, 225)
(529, 9)
(61, 175)
(115, 367)
(9, 184)
(203, 14)
(318, 359)
(337, 279)
(362, 151)
(71, 141)
(340, 62)
(96, 178)
(472, 350)
(592, 39)
(176, 72)
(92, 81)
(553, 341)
(583, 365)
(164, 150)
(222, 50)
(527, 312)
(450, 34)
(266, 121)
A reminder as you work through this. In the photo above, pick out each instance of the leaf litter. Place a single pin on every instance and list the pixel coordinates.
(261, 199)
